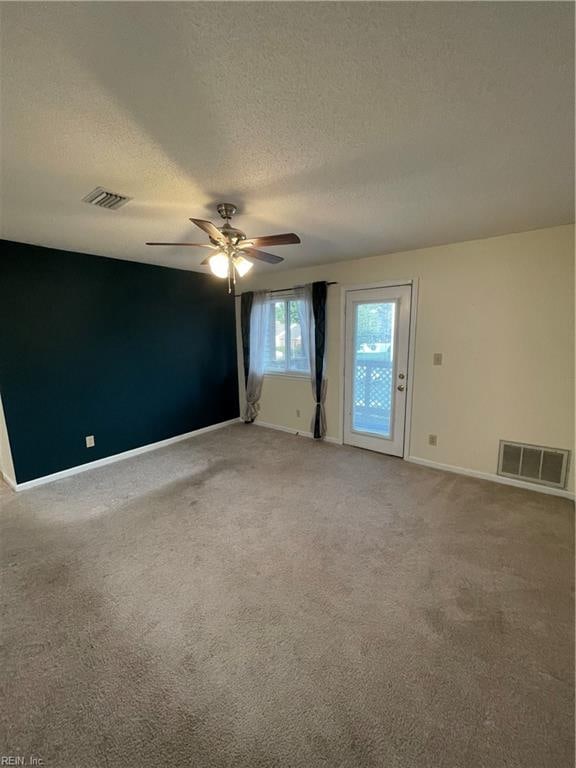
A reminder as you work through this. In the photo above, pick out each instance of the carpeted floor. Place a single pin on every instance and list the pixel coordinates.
(253, 599)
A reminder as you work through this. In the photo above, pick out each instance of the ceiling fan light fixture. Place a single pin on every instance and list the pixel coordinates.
(219, 265)
(228, 245)
(242, 265)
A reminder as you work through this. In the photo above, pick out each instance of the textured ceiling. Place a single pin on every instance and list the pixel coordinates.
(364, 127)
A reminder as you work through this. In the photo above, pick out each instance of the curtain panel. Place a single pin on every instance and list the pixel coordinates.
(256, 335)
(246, 300)
(312, 316)
(319, 384)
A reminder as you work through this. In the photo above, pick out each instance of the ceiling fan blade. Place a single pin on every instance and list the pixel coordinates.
(190, 245)
(209, 228)
(270, 240)
(270, 258)
(205, 261)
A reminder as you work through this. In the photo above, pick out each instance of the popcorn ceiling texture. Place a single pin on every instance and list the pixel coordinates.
(251, 599)
(367, 128)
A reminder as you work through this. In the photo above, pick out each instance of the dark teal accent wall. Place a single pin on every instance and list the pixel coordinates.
(127, 352)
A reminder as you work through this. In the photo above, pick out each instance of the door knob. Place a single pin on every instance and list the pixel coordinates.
(400, 387)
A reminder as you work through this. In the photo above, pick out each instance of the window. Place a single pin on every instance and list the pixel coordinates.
(285, 348)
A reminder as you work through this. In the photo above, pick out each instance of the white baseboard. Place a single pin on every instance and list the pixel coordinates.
(115, 457)
(492, 477)
(290, 431)
(445, 467)
(178, 438)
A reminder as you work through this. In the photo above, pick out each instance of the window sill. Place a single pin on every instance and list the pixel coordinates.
(289, 375)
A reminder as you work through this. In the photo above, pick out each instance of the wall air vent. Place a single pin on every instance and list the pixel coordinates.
(105, 199)
(533, 463)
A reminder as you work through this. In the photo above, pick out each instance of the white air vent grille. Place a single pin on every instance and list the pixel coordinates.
(105, 199)
(533, 463)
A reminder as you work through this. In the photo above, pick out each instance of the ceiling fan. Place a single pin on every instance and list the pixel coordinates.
(233, 251)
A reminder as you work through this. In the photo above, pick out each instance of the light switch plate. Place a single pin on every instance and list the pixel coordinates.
(437, 358)
(90, 441)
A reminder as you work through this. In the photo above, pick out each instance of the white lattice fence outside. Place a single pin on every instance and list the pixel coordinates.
(372, 392)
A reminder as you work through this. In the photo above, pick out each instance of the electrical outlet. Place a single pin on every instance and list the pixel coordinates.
(90, 441)
(437, 358)
(298, 412)
(432, 439)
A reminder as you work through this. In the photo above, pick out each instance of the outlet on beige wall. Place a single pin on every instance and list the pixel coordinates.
(502, 312)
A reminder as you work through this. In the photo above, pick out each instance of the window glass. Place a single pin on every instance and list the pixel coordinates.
(285, 350)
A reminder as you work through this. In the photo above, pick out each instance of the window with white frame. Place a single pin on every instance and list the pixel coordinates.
(285, 351)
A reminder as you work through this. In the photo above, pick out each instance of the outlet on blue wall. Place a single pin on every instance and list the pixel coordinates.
(130, 353)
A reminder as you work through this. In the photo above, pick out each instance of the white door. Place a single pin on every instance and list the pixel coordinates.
(376, 368)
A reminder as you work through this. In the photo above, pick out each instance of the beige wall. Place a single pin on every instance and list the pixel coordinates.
(501, 311)
(6, 465)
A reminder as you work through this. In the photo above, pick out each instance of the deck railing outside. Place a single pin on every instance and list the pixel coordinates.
(372, 395)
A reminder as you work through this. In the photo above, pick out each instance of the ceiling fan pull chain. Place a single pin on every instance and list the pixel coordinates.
(232, 271)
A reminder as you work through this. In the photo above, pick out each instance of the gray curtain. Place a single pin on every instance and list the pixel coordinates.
(320, 385)
(312, 316)
(246, 300)
(257, 345)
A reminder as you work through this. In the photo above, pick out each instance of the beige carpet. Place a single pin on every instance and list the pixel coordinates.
(249, 598)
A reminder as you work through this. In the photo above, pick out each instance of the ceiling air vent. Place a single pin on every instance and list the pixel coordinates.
(105, 199)
(533, 463)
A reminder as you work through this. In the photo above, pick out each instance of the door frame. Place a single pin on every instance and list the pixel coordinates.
(344, 289)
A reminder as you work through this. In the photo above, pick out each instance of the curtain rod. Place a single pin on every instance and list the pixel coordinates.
(284, 290)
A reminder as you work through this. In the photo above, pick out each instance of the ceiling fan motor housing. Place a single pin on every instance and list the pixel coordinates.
(233, 236)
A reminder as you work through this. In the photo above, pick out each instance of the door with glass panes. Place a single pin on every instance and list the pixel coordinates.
(376, 368)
